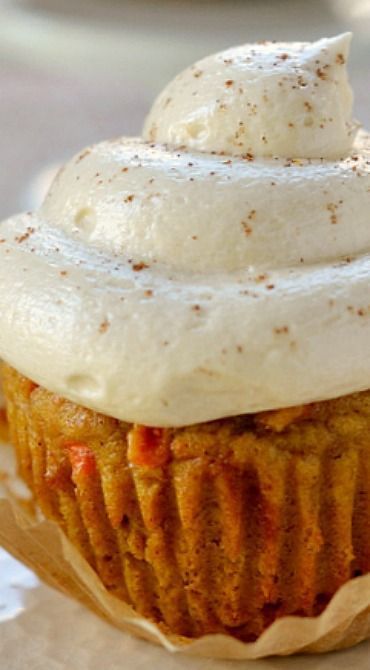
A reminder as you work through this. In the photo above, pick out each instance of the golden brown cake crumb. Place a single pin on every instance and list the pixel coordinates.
(217, 527)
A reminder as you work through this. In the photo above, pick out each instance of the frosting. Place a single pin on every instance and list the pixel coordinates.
(286, 99)
(186, 277)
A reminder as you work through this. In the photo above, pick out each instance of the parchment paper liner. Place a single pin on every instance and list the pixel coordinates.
(42, 546)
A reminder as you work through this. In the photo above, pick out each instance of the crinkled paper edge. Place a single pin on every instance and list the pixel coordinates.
(43, 547)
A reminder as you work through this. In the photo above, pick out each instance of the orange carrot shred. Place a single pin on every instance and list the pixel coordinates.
(148, 447)
(82, 459)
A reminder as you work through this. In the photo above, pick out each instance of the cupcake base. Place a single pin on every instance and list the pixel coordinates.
(220, 527)
(3, 425)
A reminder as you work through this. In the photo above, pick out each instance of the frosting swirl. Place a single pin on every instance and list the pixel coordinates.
(168, 285)
(286, 99)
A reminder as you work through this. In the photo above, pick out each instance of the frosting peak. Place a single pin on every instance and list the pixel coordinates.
(269, 99)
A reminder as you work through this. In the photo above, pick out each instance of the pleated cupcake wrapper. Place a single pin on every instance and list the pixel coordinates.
(43, 547)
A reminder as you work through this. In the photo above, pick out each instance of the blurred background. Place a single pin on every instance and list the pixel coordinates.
(73, 72)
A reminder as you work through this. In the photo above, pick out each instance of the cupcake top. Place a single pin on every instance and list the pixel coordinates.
(218, 266)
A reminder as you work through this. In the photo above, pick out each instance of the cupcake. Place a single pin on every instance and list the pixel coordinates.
(186, 337)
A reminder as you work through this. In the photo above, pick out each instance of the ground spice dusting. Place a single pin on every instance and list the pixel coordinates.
(333, 208)
(81, 157)
(104, 326)
(261, 277)
(247, 229)
(321, 74)
(137, 267)
(22, 238)
(281, 330)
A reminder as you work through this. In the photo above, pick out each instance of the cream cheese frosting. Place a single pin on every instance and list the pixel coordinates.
(185, 276)
(286, 99)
